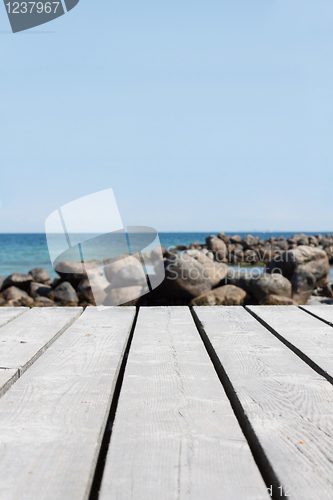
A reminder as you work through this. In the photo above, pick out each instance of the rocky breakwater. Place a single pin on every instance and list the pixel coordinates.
(295, 271)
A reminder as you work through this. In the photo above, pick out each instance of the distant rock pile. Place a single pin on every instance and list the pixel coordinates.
(295, 271)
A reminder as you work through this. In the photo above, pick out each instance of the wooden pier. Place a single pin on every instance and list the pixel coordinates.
(166, 403)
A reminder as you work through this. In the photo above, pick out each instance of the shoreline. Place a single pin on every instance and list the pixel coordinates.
(222, 253)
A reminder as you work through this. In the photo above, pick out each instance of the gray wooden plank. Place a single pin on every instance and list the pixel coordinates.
(175, 434)
(310, 336)
(7, 314)
(323, 312)
(23, 340)
(288, 405)
(52, 419)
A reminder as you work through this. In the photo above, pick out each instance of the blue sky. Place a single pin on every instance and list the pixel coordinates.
(201, 115)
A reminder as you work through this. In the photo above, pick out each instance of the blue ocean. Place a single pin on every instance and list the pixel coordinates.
(22, 252)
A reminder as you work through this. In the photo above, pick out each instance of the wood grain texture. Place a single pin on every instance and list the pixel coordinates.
(52, 419)
(23, 340)
(309, 335)
(324, 312)
(7, 314)
(289, 406)
(175, 435)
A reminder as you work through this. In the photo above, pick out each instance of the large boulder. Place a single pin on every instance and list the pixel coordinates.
(64, 294)
(303, 283)
(19, 280)
(217, 246)
(1, 281)
(235, 239)
(250, 241)
(306, 267)
(259, 285)
(74, 272)
(113, 266)
(14, 293)
(215, 271)
(40, 275)
(270, 284)
(185, 278)
(131, 275)
(227, 295)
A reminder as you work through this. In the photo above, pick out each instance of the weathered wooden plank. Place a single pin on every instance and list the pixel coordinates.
(288, 405)
(9, 376)
(323, 312)
(175, 434)
(308, 336)
(23, 340)
(52, 419)
(7, 314)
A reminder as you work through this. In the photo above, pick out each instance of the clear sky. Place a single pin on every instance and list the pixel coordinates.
(201, 115)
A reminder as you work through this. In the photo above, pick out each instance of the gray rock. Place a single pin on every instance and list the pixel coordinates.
(185, 278)
(217, 246)
(18, 280)
(282, 244)
(221, 236)
(313, 241)
(329, 252)
(44, 302)
(22, 302)
(303, 283)
(306, 267)
(249, 241)
(1, 281)
(270, 284)
(235, 239)
(56, 282)
(112, 267)
(250, 256)
(130, 275)
(74, 272)
(241, 279)
(65, 294)
(313, 258)
(40, 275)
(39, 290)
(214, 271)
(265, 254)
(227, 295)
(155, 254)
(259, 285)
(14, 293)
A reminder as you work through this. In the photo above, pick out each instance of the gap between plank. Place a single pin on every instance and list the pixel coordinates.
(100, 465)
(317, 317)
(265, 468)
(293, 348)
